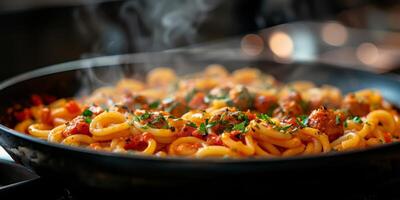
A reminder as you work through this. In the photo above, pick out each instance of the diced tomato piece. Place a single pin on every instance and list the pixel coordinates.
(137, 142)
(197, 134)
(387, 137)
(197, 101)
(48, 99)
(23, 115)
(263, 103)
(72, 107)
(213, 139)
(291, 120)
(45, 116)
(250, 115)
(77, 126)
(186, 131)
(234, 134)
(36, 100)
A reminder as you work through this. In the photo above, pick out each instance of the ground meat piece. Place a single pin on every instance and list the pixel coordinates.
(265, 103)
(356, 107)
(327, 121)
(176, 107)
(290, 105)
(138, 142)
(241, 97)
(198, 102)
(133, 102)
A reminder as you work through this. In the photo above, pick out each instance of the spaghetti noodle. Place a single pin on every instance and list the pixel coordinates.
(214, 114)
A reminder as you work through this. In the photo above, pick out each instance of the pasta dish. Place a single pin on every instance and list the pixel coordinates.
(213, 113)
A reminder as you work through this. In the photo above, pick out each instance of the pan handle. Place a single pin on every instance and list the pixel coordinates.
(4, 155)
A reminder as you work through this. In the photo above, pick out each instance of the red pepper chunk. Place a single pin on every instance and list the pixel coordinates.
(48, 99)
(45, 116)
(387, 137)
(77, 126)
(72, 107)
(186, 131)
(213, 139)
(36, 100)
(198, 102)
(23, 115)
(138, 142)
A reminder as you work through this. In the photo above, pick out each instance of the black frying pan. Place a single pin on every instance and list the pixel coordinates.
(109, 170)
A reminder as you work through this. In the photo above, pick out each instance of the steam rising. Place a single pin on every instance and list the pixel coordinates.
(168, 23)
(138, 26)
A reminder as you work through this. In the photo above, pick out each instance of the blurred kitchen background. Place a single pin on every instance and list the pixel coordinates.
(354, 33)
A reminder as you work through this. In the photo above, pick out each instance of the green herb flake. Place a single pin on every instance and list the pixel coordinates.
(157, 119)
(337, 120)
(136, 118)
(146, 115)
(242, 117)
(211, 124)
(87, 113)
(172, 106)
(203, 129)
(304, 105)
(302, 121)
(191, 124)
(266, 118)
(88, 120)
(357, 120)
(240, 127)
(145, 126)
(345, 124)
(190, 95)
(154, 105)
(284, 128)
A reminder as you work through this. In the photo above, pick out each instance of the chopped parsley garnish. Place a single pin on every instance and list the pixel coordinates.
(88, 120)
(271, 109)
(136, 118)
(337, 120)
(266, 118)
(283, 128)
(225, 98)
(304, 105)
(87, 113)
(242, 117)
(190, 95)
(211, 124)
(146, 115)
(345, 124)
(158, 119)
(302, 121)
(191, 124)
(240, 127)
(145, 126)
(203, 129)
(172, 106)
(154, 105)
(357, 120)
